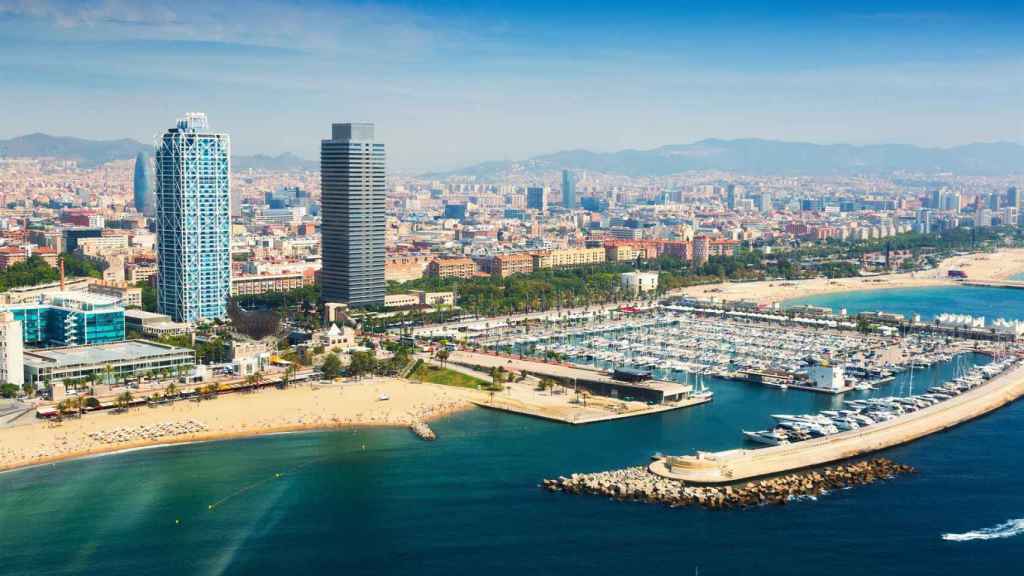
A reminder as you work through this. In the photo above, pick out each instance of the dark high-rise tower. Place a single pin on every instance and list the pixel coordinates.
(142, 184)
(352, 178)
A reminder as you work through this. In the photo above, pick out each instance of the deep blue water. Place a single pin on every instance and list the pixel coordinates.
(928, 302)
(469, 503)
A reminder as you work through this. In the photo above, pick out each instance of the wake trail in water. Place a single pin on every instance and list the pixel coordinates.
(1007, 529)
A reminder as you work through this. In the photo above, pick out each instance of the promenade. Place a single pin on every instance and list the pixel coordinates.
(741, 464)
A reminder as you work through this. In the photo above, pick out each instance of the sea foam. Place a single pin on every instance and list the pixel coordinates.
(1004, 530)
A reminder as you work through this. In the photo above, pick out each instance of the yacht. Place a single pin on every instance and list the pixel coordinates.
(770, 437)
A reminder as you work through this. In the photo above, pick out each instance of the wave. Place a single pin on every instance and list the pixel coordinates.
(1005, 530)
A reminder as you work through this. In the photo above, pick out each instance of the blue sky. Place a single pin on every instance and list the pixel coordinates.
(451, 83)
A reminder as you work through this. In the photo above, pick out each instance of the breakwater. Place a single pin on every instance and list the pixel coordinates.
(420, 429)
(637, 484)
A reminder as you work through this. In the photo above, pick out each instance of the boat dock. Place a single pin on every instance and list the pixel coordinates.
(741, 464)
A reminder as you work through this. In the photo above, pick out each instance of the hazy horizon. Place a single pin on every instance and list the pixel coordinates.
(450, 84)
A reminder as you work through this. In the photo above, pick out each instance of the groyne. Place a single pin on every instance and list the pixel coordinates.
(638, 484)
(420, 429)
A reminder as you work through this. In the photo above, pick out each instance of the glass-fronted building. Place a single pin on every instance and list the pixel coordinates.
(193, 221)
(70, 319)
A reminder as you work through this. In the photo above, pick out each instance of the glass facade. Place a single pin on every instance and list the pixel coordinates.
(193, 221)
(63, 323)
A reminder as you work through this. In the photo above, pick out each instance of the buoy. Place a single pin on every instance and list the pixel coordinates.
(176, 521)
(210, 507)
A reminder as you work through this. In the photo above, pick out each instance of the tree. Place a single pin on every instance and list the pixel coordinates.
(442, 356)
(331, 366)
(171, 391)
(362, 363)
(124, 400)
(286, 378)
(8, 390)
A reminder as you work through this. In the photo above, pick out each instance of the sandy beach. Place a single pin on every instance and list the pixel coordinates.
(355, 404)
(997, 266)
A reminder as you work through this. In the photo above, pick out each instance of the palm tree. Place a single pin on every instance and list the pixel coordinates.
(442, 356)
(289, 373)
(171, 391)
(124, 400)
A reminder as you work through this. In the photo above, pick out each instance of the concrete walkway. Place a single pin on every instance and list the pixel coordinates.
(736, 465)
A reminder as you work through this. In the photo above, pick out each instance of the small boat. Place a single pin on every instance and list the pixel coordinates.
(383, 397)
(770, 437)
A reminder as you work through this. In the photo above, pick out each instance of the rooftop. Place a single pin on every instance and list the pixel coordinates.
(99, 354)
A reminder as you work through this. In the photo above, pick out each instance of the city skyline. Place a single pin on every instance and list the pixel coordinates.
(493, 78)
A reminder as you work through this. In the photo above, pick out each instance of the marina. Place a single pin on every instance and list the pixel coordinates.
(689, 344)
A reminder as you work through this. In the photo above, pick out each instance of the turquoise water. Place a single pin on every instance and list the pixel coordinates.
(928, 302)
(382, 502)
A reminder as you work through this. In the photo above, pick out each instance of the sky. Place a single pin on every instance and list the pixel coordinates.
(452, 83)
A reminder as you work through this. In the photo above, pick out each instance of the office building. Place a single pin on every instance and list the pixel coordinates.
(73, 235)
(352, 175)
(142, 184)
(69, 319)
(732, 196)
(193, 221)
(536, 199)
(455, 211)
(568, 189)
(12, 366)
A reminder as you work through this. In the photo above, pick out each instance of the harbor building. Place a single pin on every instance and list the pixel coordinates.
(69, 319)
(193, 221)
(827, 376)
(12, 367)
(120, 360)
(352, 174)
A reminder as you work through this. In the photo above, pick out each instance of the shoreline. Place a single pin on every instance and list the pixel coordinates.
(999, 265)
(446, 401)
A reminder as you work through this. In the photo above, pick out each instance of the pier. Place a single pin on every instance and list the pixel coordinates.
(741, 464)
(1019, 284)
(597, 396)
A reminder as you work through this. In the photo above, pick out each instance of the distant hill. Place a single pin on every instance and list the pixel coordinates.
(90, 153)
(281, 163)
(753, 156)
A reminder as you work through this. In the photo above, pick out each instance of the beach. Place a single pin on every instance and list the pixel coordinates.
(266, 411)
(1000, 265)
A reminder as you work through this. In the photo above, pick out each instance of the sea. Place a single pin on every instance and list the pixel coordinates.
(380, 501)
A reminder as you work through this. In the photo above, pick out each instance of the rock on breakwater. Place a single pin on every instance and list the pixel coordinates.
(421, 429)
(637, 484)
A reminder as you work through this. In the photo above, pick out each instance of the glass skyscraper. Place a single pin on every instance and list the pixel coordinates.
(193, 221)
(142, 185)
(70, 319)
(568, 189)
(353, 193)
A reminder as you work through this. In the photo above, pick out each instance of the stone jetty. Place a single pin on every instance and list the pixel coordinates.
(421, 429)
(148, 432)
(638, 484)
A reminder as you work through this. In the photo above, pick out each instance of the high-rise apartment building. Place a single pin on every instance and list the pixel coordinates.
(353, 194)
(568, 189)
(193, 221)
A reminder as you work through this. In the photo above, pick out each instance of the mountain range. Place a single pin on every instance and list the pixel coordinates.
(766, 157)
(745, 156)
(90, 153)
